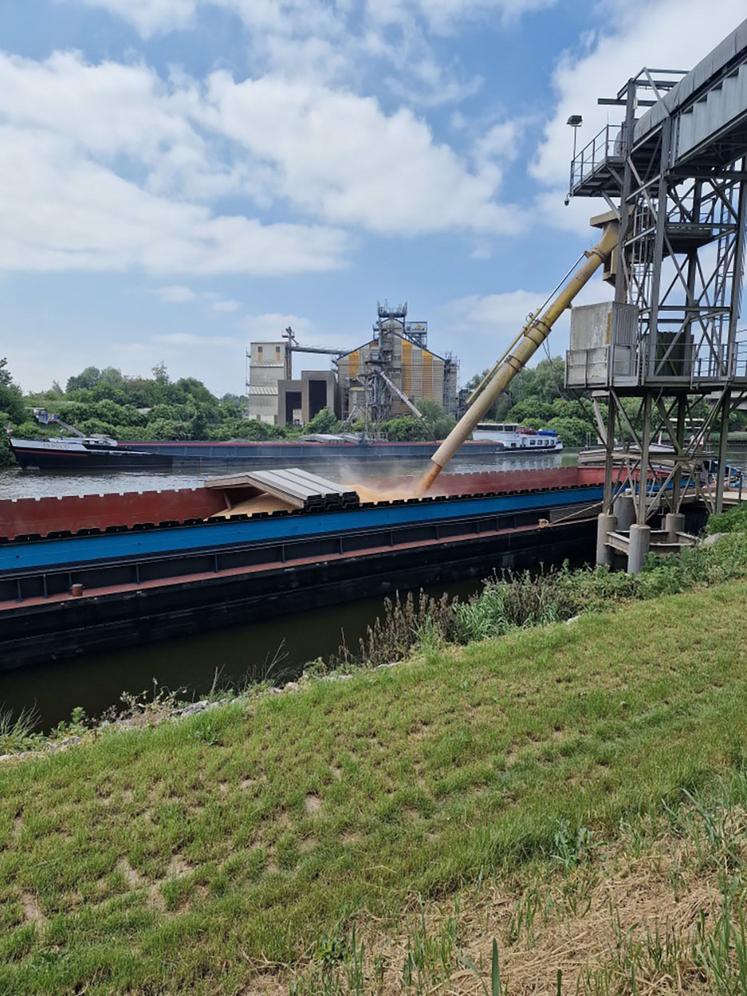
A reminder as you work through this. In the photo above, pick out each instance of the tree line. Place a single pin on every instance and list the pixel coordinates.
(108, 402)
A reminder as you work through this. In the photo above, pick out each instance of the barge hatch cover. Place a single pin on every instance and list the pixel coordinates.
(294, 487)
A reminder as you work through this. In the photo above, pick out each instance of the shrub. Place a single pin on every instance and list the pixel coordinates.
(515, 601)
(324, 421)
(406, 623)
(735, 520)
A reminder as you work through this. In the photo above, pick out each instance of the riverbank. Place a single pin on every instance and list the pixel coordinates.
(255, 845)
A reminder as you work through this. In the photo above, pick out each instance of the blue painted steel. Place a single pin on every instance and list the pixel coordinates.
(116, 546)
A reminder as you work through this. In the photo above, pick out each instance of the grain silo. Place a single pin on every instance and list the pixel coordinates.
(388, 375)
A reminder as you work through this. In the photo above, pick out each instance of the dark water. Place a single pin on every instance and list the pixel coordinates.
(277, 648)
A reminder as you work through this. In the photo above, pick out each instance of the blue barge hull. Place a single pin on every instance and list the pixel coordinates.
(278, 526)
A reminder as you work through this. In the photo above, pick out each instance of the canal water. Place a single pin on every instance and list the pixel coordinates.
(15, 483)
(278, 647)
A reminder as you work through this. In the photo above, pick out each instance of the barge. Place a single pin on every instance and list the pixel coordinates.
(105, 571)
(96, 453)
(100, 571)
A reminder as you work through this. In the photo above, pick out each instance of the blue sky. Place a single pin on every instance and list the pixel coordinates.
(178, 177)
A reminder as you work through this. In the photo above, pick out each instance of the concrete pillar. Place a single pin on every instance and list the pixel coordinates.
(674, 522)
(640, 540)
(605, 524)
(624, 509)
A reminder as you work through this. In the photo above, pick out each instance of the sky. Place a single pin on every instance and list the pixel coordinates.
(179, 177)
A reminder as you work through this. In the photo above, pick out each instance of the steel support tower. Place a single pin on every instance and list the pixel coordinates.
(665, 362)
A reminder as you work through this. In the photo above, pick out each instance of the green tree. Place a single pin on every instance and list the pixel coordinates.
(439, 424)
(406, 428)
(11, 397)
(87, 379)
(572, 431)
(531, 408)
(325, 420)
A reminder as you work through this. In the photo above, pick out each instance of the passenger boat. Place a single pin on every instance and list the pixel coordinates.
(516, 437)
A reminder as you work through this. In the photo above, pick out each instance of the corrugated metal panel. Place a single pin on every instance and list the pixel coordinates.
(427, 375)
(407, 361)
(295, 487)
(698, 77)
(722, 106)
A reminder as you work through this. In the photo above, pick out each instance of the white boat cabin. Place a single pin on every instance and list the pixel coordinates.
(517, 437)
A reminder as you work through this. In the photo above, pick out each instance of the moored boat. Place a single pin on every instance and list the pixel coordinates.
(82, 453)
(516, 438)
(100, 452)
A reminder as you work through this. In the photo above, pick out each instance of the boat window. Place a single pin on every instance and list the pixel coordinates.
(531, 442)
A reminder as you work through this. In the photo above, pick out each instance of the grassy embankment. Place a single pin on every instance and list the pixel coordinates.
(576, 792)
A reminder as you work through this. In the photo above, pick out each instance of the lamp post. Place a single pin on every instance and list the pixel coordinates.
(574, 121)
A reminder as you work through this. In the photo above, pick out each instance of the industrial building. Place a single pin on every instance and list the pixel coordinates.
(269, 364)
(384, 377)
(388, 375)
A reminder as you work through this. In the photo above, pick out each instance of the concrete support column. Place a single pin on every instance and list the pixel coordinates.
(674, 522)
(640, 541)
(605, 524)
(624, 509)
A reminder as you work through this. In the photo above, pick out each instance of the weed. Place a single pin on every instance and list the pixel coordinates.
(720, 951)
(572, 847)
(17, 732)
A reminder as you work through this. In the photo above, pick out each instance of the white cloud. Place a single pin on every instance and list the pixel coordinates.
(385, 42)
(321, 17)
(317, 142)
(225, 306)
(442, 16)
(637, 33)
(190, 339)
(218, 360)
(271, 325)
(110, 167)
(61, 211)
(150, 16)
(179, 294)
(488, 323)
(82, 178)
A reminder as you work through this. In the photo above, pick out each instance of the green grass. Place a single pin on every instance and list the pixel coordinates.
(184, 858)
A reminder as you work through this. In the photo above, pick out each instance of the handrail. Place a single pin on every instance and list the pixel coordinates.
(605, 145)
